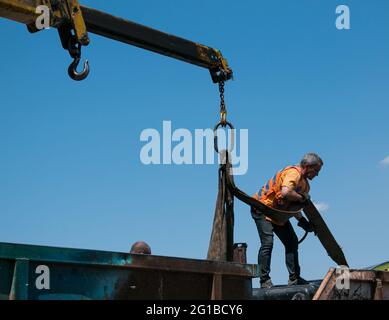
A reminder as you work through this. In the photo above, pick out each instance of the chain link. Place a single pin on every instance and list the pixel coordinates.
(223, 110)
(223, 121)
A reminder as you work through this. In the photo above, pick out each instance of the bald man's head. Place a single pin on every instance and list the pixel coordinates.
(140, 247)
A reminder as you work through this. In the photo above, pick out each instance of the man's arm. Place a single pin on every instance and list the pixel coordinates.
(291, 195)
(288, 192)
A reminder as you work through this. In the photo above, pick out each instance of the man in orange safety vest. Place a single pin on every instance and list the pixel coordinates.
(286, 190)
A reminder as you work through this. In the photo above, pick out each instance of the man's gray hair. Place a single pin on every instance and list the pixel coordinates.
(311, 159)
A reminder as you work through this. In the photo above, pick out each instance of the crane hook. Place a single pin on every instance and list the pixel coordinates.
(74, 74)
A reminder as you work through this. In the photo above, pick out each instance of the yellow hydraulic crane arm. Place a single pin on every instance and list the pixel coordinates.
(74, 21)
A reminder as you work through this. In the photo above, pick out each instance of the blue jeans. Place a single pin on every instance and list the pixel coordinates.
(288, 237)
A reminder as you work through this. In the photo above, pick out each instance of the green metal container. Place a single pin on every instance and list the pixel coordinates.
(50, 273)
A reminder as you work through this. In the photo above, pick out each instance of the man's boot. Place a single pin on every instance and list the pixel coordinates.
(266, 284)
(297, 281)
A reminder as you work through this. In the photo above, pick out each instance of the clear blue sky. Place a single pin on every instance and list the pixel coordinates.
(70, 173)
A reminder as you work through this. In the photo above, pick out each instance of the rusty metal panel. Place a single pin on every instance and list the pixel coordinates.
(88, 274)
(235, 288)
(364, 285)
(325, 286)
(240, 253)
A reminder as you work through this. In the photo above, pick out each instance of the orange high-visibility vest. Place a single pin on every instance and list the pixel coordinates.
(273, 186)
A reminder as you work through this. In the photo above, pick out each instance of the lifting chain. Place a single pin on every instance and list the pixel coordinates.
(223, 120)
(223, 110)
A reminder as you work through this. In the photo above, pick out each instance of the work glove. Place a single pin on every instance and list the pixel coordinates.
(305, 224)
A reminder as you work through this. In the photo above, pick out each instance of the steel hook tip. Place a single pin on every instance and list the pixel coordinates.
(74, 74)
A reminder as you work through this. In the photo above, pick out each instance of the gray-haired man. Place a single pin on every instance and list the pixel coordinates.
(288, 188)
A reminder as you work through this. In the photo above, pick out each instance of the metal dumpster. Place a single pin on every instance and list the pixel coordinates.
(47, 273)
(362, 285)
